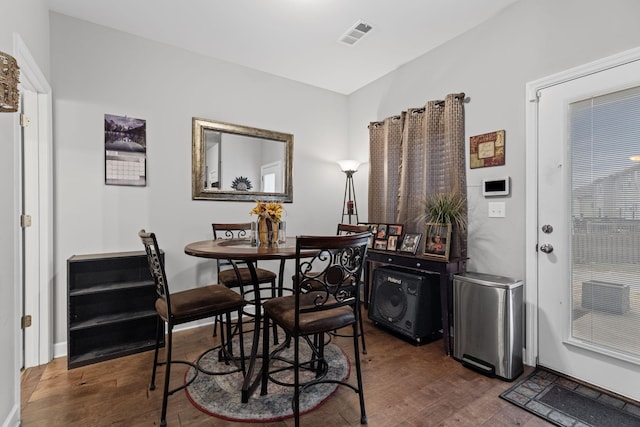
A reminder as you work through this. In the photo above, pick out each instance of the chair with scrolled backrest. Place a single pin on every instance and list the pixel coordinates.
(326, 297)
(346, 229)
(237, 276)
(187, 306)
(226, 275)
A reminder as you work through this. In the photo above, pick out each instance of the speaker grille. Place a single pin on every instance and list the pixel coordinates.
(391, 302)
(406, 302)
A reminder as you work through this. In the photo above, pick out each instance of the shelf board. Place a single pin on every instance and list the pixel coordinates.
(107, 256)
(110, 352)
(110, 319)
(109, 287)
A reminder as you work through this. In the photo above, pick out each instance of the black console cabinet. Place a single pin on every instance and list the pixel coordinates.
(111, 310)
(446, 270)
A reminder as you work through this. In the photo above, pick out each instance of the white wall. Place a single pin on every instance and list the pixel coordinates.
(491, 64)
(30, 20)
(96, 71)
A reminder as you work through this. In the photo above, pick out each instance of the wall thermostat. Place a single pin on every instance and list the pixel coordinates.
(495, 187)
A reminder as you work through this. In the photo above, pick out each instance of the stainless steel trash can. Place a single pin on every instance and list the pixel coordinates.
(488, 324)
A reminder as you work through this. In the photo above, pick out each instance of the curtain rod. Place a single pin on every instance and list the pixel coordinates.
(457, 96)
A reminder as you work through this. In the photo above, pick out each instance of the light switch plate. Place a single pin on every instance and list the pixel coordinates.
(497, 210)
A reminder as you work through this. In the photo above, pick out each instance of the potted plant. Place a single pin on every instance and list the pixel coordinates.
(450, 209)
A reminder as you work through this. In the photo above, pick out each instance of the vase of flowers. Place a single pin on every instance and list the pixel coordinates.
(269, 215)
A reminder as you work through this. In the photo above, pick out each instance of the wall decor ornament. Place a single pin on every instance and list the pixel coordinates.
(241, 183)
(487, 150)
(9, 79)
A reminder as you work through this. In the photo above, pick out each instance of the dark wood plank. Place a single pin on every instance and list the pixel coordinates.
(405, 385)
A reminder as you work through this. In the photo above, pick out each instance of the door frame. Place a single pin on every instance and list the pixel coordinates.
(39, 344)
(531, 184)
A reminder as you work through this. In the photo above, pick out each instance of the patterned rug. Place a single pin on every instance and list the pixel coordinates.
(219, 395)
(564, 402)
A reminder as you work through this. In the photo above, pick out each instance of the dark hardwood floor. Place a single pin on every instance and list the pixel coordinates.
(405, 385)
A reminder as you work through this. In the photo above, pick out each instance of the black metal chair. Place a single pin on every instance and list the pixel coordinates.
(226, 274)
(233, 275)
(346, 229)
(326, 297)
(187, 306)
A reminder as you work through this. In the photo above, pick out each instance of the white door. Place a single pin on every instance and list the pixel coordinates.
(588, 231)
(272, 178)
(31, 228)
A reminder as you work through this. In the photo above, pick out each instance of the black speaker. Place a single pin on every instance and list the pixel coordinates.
(406, 302)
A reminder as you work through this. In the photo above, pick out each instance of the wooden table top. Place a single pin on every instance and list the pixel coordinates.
(241, 249)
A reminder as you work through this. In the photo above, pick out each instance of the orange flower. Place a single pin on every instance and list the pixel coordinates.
(271, 210)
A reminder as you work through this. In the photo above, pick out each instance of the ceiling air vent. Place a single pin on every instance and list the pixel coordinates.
(355, 33)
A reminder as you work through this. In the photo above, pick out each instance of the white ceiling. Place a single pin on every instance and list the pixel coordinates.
(296, 39)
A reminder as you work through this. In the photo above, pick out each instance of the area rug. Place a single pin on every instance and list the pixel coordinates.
(219, 395)
(564, 402)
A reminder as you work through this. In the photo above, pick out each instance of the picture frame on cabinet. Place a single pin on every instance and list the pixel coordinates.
(410, 243)
(437, 240)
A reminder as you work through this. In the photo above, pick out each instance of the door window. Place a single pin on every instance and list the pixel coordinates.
(604, 138)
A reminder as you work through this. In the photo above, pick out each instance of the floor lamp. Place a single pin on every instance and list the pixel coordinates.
(349, 207)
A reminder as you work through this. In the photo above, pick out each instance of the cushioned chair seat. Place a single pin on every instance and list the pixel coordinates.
(194, 303)
(282, 310)
(185, 306)
(322, 302)
(229, 277)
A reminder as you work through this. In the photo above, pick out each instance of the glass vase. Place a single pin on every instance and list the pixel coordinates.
(267, 232)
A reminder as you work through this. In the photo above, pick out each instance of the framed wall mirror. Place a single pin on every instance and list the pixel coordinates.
(241, 163)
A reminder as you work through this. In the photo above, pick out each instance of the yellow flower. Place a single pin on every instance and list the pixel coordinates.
(271, 210)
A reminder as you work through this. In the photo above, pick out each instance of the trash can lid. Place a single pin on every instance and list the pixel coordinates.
(488, 279)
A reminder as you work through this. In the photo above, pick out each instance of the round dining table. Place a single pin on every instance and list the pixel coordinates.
(243, 250)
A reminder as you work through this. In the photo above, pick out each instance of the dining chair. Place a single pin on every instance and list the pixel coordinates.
(326, 294)
(233, 275)
(346, 229)
(187, 306)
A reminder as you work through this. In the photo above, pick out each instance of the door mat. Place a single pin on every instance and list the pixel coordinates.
(564, 402)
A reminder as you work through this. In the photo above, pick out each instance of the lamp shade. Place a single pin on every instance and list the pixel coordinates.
(349, 165)
(9, 73)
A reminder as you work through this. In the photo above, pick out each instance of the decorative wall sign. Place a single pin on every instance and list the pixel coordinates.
(486, 150)
(125, 151)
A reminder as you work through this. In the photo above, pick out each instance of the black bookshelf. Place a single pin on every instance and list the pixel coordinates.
(111, 312)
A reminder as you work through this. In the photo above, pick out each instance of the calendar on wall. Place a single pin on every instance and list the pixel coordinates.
(125, 148)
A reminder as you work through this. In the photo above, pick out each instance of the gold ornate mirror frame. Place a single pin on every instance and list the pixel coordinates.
(238, 157)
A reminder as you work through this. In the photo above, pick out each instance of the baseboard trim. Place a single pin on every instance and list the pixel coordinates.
(13, 419)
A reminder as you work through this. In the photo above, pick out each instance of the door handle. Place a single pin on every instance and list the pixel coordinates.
(546, 248)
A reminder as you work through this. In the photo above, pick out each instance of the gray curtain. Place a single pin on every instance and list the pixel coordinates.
(385, 153)
(418, 153)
